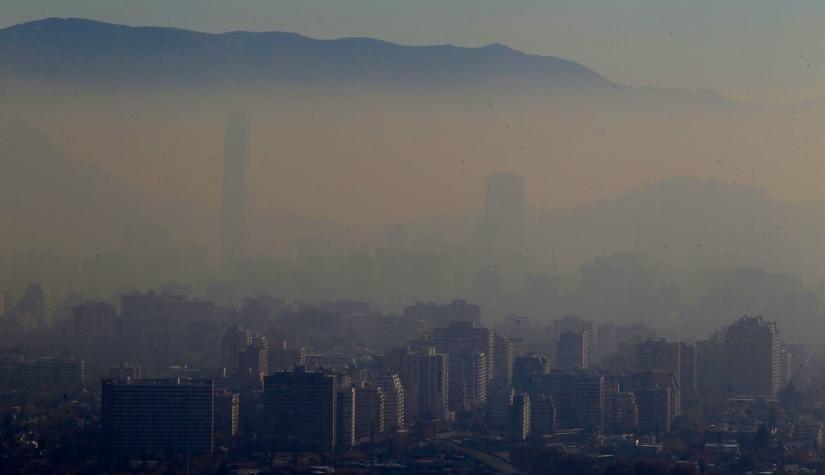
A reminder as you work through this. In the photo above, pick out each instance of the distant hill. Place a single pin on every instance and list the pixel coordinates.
(91, 51)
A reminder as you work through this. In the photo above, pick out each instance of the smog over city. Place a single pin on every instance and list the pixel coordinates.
(398, 236)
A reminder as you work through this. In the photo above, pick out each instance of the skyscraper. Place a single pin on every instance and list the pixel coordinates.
(752, 351)
(394, 400)
(425, 377)
(573, 350)
(37, 303)
(299, 410)
(233, 201)
(169, 415)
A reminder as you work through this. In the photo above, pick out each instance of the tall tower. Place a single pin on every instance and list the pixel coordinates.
(233, 201)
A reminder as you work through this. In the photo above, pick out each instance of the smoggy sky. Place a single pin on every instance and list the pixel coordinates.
(755, 50)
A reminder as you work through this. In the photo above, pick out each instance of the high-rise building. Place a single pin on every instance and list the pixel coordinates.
(252, 361)
(158, 415)
(658, 354)
(394, 399)
(654, 410)
(425, 377)
(590, 391)
(235, 340)
(499, 407)
(573, 350)
(93, 334)
(711, 368)
(785, 368)
(299, 410)
(369, 411)
(521, 416)
(542, 414)
(621, 412)
(227, 407)
(503, 361)
(234, 199)
(283, 358)
(524, 368)
(688, 372)
(471, 351)
(753, 353)
(37, 304)
(344, 417)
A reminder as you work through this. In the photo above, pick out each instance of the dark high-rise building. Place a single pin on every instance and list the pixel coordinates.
(573, 350)
(471, 362)
(753, 353)
(542, 414)
(503, 362)
(426, 377)
(370, 411)
(93, 334)
(520, 420)
(227, 413)
(344, 417)
(158, 415)
(524, 368)
(299, 410)
(654, 410)
(233, 199)
(688, 373)
(234, 341)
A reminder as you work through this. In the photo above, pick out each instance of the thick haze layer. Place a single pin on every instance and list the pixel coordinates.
(756, 50)
(113, 141)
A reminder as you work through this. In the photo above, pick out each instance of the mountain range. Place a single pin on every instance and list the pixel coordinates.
(97, 52)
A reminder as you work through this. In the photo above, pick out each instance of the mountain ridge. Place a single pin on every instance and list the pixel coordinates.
(84, 49)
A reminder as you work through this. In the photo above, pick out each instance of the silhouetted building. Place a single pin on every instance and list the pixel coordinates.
(499, 407)
(345, 417)
(785, 368)
(425, 377)
(524, 368)
(36, 304)
(282, 358)
(45, 373)
(688, 373)
(542, 414)
(503, 360)
(299, 410)
(752, 351)
(93, 334)
(158, 415)
(654, 410)
(227, 412)
(369, 411)
(573, 350)
(621, 412)
(471, 362)
(521, 416)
